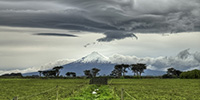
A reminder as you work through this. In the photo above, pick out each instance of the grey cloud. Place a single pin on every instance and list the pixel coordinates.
(104, 16)
(197, 56)
(55, 34)
(186, 61)
(110, 36)
(184, 54)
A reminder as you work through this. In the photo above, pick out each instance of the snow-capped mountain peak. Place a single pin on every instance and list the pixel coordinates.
(94, 57)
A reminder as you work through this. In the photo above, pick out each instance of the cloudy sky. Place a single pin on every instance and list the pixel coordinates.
(33, 33)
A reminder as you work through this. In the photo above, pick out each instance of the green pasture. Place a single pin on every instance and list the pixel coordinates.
(39, 89)
(158, 89)
(79, 89)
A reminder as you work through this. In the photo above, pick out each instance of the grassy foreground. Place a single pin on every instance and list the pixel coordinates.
(158, 89)
(39, 89)
(79, 89)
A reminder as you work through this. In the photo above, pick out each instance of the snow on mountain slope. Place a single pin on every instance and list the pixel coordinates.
(94, 57)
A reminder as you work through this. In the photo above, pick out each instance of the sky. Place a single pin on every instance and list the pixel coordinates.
(157, 32)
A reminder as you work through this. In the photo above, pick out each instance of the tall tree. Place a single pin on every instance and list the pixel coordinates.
(57, 70)
(138, 68)
(94, 71)
(134, 68)
(141, 68)
(124, 66)
(172, 73)
(114, 73)
(118, 69)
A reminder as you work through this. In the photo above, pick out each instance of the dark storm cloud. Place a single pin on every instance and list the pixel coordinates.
(55, 34)
(110, 36)
(110, 17)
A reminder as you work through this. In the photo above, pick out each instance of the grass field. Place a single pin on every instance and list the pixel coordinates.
(158, 89)
(39, 89)
(79, 89)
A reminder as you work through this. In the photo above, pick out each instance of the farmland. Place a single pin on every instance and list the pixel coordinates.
(79, 89)
(39, 89)
(158, 89)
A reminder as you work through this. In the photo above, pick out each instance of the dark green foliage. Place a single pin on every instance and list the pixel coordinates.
(124, 67)
(49, 73)
(191, 74)
(94, 71)
(138, 68)
(172, 73)
(91, 73)
(57, 70)
(119, 70)
(87, 73)
(72, 74)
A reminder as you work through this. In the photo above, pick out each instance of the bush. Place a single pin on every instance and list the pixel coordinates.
(191, 74)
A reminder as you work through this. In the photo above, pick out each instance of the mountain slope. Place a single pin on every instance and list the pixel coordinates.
(93, 60)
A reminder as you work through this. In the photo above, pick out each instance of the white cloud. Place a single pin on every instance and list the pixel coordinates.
(183, 61)
(36, 69)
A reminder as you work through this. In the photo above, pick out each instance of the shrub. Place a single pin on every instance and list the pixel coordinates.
(191, 74)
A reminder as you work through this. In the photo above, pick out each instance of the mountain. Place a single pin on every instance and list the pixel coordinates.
(94, 57)
(93, 60)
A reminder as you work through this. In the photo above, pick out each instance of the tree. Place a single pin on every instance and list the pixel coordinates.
(118, 70)
(49, 73)
(68, 74)
(134, 69)
(94, 71)
(87, 73)
(114, 73)
(57, 70)
(124, 66)
(40, 72)
(194, 74)
(172, 73)
(73, 74)
(141, 68)
(138, 68)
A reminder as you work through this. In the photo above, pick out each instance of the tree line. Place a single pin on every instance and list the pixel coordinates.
(173, 73)
(121, 69)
